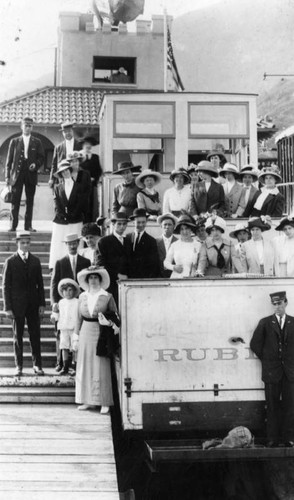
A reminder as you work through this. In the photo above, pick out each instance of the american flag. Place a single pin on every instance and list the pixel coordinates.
(171, 63)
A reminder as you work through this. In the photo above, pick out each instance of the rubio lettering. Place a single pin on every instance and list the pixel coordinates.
(203, 353)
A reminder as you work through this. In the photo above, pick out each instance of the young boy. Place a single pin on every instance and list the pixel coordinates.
(66, 318)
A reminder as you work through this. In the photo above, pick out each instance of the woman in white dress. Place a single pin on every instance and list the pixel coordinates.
(284, 247)
(177, 198)
(93, 374)
(182, 256)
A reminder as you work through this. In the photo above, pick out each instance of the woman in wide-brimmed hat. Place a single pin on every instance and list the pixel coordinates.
(182, 256)
(232, 189)
(241, 233)
(91, 234)
(216, 158)
(148, 198)
(125, 194)
(270, 202)
(249, 195)
(258, 254)
(69, 211)
(207, 195)
(93, 374)
(193, 173)
(284, 247)
(177, 198)
(217, 256)
(91, 163)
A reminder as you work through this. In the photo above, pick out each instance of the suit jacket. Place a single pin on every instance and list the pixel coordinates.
(164, 273)
(250, 261)
(72, 210)
(60, 154)
(202, 201)
(277, 357)
(233, 198)
(15, 158)
(22, 284)
(112, 255)
(244, 209)
(208, 259)
(273, 205)
(62, 270)
(92, 166)
(143, 262)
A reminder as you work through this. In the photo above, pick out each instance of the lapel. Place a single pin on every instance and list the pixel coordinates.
(20, 143)
(251, 193)
(276, 326)
(73, 192)
(62, 194)
(69, 268)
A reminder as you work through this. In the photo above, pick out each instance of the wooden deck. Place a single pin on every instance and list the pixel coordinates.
(55, 452)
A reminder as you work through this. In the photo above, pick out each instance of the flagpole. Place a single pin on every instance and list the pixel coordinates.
(164, 49)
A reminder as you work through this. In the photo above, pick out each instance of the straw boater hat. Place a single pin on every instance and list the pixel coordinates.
(286, 221)
(69, 238)
(68, 281)
(230, 168)
(241, 226)
(216, 222)
(180, 171)
(91, 229)
(82, 276)
(22, 234)
(274, 171)
(139, 212)
(62, 166)
(207, 167)
(122, 166)
(75, 155)
(215, 152)
(66, 125)
(249, 170)
(147, 173)
(258, 222)
(120, 216)
(187, 220)
(166, 216)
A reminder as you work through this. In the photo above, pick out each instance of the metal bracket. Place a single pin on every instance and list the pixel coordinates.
(215, 389)
(128, 384)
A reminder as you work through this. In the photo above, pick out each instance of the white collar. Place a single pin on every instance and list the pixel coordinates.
(270, 191)
(69, 140)
(21, 254)
(118, 236)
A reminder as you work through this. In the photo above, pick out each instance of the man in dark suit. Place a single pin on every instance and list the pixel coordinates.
(142, 254)
(67, 267)
(167, 222)
(24, 159)
(62, 150)
(112, 255)
(91, 164)
(24, 299)
(273, 343)
(207, 195)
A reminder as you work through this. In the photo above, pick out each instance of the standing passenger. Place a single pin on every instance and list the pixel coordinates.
(125, 194)
(284, 247)
(91, 164)
(148, 198)
(167, 222)
(232, 189)
(270, 202)
(207, 195)
(257, 254)
(250, 193)
(91, 234)
(177, 198)
(62, 150)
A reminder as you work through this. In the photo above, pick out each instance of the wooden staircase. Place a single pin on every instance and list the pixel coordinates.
(40, 246)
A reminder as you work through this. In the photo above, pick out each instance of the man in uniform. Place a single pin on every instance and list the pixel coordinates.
(273, 343)
(25, 157)
(24, 299)
(64, 149)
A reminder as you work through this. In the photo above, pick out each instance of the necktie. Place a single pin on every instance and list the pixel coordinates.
(220, 262)
(74, 266)
(136, 241)
(24, 257)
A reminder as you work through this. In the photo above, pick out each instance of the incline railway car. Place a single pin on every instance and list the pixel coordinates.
(186, 363)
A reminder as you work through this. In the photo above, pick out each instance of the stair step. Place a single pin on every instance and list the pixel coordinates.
(37, 395)
(39, 236)
(35, 247)
(46, 290)
(47, 301)
(7, 360)
(43, 256)
(47, 345)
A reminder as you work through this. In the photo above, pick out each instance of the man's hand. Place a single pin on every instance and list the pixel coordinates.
(41, 311)
(55, 307)
(9, 314)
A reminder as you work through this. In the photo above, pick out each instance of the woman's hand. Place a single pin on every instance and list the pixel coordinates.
(178, 268)
(103, 321)
(199, 274)
(75, 342)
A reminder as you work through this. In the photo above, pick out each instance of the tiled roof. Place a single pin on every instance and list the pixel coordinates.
(54, 105)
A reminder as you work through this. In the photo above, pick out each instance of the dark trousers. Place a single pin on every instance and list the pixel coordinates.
(30, 189)
(280, 410)
(33, 323)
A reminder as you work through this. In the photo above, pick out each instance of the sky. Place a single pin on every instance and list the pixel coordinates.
(28, 34)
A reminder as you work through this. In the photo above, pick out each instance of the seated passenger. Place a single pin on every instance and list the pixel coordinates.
(91, 234)
(242, 234)
(194, 175)
(250, 193)
(177, 198)
(201, 233)
(257, 254)
(125, 194)
(284, 247)
(167, 222)
(270, 202)
(183, 255)
(217, 253)
(232, 189)
(148, 198)
(207, 195)
(218, 160)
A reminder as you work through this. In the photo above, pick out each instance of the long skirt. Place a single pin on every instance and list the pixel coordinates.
(58, 248)
(93, 374)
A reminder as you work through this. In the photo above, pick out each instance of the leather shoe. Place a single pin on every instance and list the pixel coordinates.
(12, 230)
(289, 444)
(18, 371)
(38, 370)
(58, 368)
(272, 444)
(31, 229)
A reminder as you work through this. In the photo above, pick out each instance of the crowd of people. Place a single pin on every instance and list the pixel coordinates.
(87, 264)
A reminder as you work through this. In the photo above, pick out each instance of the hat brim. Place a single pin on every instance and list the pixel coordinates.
(62, 169)
(192, 226)
(186, 176)
(163, 217)
(119, 219)
(261, 177)
(249, 172)
(223, 173)
(284, 223)
(263, 227)
(220, 155)
(82, 276)
(76, 239)
(139, 180)
(233, 234)
(133, 217)
(209, 171)
(209, 228)
(134, 168)
(68, 281)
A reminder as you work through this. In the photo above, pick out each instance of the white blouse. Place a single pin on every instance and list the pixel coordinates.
(175, 200)
(183, 253)
(92, 299)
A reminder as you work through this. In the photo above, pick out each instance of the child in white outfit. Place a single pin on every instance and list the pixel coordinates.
(66, 318)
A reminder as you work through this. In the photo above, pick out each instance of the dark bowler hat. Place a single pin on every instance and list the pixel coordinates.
(120, 216)
(90, 229)
(27, 120)
(286, 221)
(258, 222)
(139, 212)
(278, 296)
(91, 140)
(215, 152)
(187, 220)
(66, 125)
(122, 166)
(207, 167)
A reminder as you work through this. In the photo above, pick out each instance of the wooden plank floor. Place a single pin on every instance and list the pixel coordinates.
(55, 452)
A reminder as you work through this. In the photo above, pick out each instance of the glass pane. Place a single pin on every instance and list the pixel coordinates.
(207, 144)
(219, 120)
(144, 119)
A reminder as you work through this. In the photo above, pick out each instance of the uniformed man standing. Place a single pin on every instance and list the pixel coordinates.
(273, 343)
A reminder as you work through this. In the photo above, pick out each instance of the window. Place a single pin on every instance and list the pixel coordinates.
(143, 119)
(114, 70)
(218, 120)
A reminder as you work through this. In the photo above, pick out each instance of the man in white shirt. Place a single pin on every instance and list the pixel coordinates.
(273, 344)
(167, 222)
(25, 157)
(62, 150)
